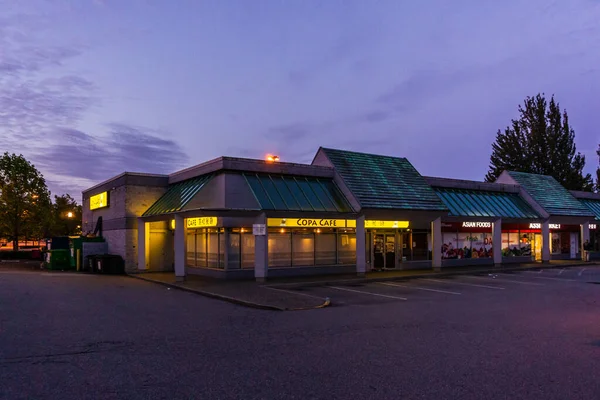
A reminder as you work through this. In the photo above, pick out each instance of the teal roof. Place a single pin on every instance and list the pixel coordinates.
(478, 203)
(296, 193)
(177, 196)
(384, 182)
(593, 206)
(550, 194)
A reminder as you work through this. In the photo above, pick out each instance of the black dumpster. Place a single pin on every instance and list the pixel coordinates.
(90, 263)
(109, 264)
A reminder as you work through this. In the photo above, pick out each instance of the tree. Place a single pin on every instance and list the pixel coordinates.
(598, 171)
(541, 141)
(66, 216)
(24, 199)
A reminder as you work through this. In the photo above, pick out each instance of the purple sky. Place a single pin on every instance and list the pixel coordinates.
(91, 88)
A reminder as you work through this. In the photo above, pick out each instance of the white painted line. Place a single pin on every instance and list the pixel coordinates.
(503, 280)
(294, 292)
(464, 284)
(535, 272)
(372, 294)
(581, 272)
(543, 277)
(561, 271)
(416, 287)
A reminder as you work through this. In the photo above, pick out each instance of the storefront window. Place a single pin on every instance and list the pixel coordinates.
(466, 245)
(303, 247)
(201, 248)
(527, 240)
(325, 248)
(419, 243)
(213, 249)
(233, 253)
(247, 240)
(190, 258)
(555, 243)
(280, 248)
(450, 245)
(346, 248)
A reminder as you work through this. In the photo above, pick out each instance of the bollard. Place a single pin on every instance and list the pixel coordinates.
(78, 262)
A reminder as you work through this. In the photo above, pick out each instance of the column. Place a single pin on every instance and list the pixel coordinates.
(436, 244)
(179, 248)
(585, 235)
(361, 247)
(497, 242)
(261, 251)
(546, 241)
(142, 243)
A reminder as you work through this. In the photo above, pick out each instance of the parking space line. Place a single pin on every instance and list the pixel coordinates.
(544, 277)
(464, 284)
(581, 272)
(372, 294)
(416, 287)
(504, 280)
(295, 292)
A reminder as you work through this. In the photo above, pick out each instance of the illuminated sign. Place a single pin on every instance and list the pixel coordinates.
(592, 226)
(201, 222)
(386, 224)
(476, 224)
(99, 200)
(333, 223)
(173, 224)
(537, 225)
(308, 223)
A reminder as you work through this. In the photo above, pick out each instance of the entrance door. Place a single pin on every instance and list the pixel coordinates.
(390, 251)
(537, 246)
(378, 251)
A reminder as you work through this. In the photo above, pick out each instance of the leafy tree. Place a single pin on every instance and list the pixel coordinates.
(66, 216)
(598, 171)
(541, 141)
(24, 199)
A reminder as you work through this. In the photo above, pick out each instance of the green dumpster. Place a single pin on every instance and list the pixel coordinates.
(59, 259)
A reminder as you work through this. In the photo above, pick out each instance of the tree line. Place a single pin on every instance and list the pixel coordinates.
(26, 209)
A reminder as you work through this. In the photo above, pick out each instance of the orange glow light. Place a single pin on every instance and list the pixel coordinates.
(272, 158)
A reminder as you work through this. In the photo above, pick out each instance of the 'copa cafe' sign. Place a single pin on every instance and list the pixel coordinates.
(537, 225)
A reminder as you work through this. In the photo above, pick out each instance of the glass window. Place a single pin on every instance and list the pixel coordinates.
(213, 250)
(565, 241)
(419, 243)
(450, 245)
(285, 192)
(273, 193)
(298, 194)
(325, 248)
(303, 247)
(335, 194)
(511, 244)
(201, 248)
(259, 192)
(247, 250)
(233, 253)
(480, 246)
(526, 244)
(190, 250)
(347, 248)
(463, 247)
(280, 248)
(555, 243)
(322, 195)
(310, 194)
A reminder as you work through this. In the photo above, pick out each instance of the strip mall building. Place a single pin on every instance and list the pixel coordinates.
(345, 212)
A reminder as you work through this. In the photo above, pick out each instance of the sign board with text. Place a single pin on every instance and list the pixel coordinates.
(99, 200)
(201, 222)
(259, 229)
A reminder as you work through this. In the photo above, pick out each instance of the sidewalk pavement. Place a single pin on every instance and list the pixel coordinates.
(275, 294)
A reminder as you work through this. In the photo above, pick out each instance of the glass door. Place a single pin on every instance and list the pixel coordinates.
(537, 245)
(390, 251)
(378, 251)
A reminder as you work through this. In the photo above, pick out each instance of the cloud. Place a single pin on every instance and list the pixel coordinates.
(289, 132)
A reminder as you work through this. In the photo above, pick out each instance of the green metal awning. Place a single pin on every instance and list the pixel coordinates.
(295, 193)
(593, 206)
(178, 195)
(478, 203)
(550, 194)
(384, 182)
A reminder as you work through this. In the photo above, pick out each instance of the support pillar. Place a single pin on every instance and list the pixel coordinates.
(497, 242)
(143, 244)
(361, 247)
(546, 241)
(261, 251)
(179, 248)
(436, 244)
(585, 236)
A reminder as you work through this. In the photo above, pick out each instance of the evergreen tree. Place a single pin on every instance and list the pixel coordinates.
(541, 141)
(598, 171)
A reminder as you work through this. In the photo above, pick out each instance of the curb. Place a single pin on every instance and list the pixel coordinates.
(424, 275)
(227, 298)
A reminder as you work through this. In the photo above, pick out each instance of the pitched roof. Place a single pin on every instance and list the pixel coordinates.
(177, 196)
(550, 194)
(593, 206)
(481, 203)
(383, 181)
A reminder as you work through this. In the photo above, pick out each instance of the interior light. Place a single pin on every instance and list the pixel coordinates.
(242, 230)
(318, 231)
(282, 230)
(272, 158)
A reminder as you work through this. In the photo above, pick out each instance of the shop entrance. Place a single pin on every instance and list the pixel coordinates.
(384, 250)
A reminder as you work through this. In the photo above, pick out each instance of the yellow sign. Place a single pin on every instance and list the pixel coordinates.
(99, 200)
(333, 223)
(307, 223)
(201, 222)
(173, 224)
(373, 224)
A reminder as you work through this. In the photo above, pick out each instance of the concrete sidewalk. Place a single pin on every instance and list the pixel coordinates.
(274, 294)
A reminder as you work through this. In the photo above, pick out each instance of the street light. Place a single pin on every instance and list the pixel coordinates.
(70, 214)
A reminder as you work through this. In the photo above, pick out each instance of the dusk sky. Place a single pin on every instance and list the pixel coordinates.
(92, 88)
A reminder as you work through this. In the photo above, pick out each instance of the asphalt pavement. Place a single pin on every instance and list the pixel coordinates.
(525, 335)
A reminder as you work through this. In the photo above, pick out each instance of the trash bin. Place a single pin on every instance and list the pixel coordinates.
(88, 265)
(60, 259)
(111, 264)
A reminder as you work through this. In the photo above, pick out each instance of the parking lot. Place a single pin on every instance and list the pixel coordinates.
(459, 288)
(525, 335)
